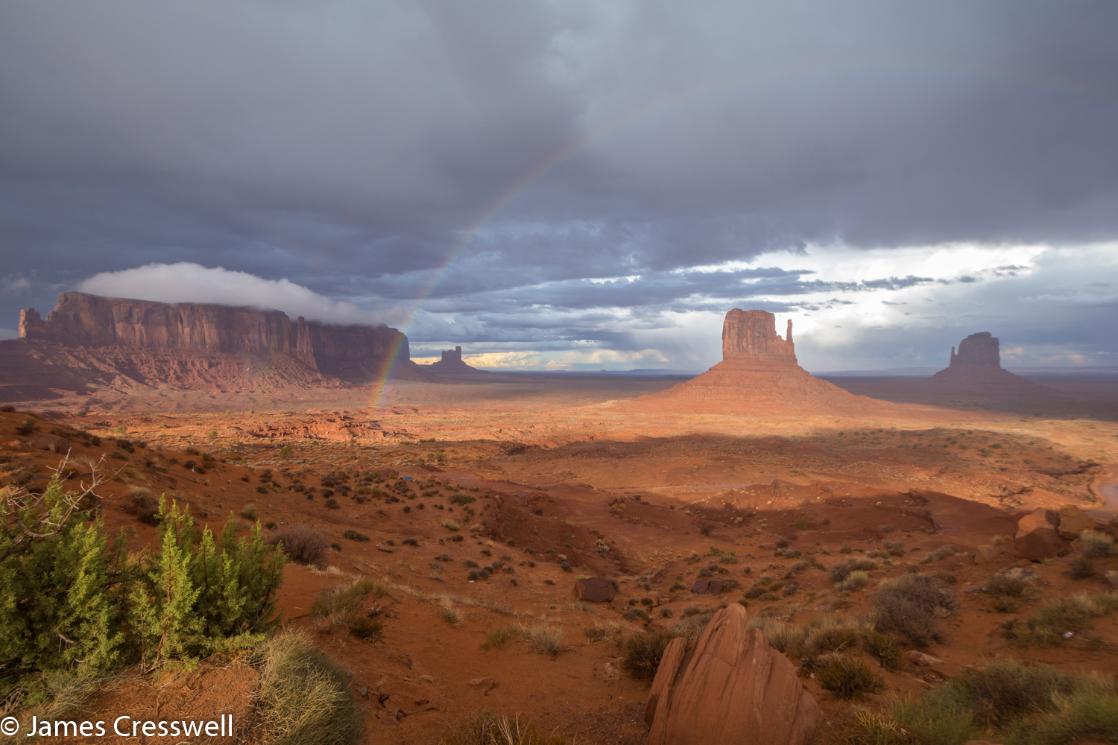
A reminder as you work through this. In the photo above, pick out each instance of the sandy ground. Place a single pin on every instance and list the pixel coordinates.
(547, 479)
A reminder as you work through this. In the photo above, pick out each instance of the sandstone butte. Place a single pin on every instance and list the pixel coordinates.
(976, 367)
(759, 374)
(163, 338)
(451, 365)
(733, 687)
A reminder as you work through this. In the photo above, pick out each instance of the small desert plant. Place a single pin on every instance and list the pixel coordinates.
(1090, 714)
(1096, 544)
(846, 676)
(1063, 619)
(839, 572)
(449, 613)
(642, 654)
(907, 606)
(856, 580)
(303, 698)
(142, 505)
(248, 512)
(1003, 691)
(500, 638)
(353, 535)
(1081, 567)
(451, 525)
(302, 544)
(543, 639)
(335, 605)
(487, 729)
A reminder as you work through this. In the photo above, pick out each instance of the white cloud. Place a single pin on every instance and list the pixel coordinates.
(187, 282)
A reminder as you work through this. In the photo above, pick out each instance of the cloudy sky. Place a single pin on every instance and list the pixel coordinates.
(576, 183)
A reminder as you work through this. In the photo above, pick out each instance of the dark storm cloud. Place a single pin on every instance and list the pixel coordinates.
(488, 155)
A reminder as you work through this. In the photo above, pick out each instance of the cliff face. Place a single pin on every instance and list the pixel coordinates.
(750, 336)
(347, 352)
(981, 350)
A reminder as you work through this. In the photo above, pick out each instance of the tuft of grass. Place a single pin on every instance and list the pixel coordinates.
(856, 580)
(248, 512)
(1063, 619)
(303, 698)
(846, 676)
(543, 639)
(642, 654)
(341, 606)
(1090, 714)
(449, 613)
(839, 572)
(451, 525)
(1096, 544)
(487, 729)
(500, 638)
(907, 606)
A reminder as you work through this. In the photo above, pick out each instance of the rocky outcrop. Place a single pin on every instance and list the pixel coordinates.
(750, 336)
(595, 589)
(1038, 536)
(451, 365)
(758, 375)
(351, 353)
(731, 688)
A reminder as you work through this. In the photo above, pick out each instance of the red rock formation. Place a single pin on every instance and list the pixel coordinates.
(732, 688)
(750, 336)
(451, 365)
(759, 375)
(975, 373)
(182, 343)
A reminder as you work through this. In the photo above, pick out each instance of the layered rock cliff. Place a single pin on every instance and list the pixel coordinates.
(192, 330)
(451, 365)
(749, 336)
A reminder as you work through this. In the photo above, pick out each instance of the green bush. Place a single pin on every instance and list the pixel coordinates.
(73, 602)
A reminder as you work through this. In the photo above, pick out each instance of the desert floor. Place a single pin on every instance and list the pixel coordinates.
(475, 507)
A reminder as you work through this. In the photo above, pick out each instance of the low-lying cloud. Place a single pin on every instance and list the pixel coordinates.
(185, 282)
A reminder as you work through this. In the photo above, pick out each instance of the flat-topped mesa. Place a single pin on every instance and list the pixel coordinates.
(749, 336)
(348, 352)
(978, 350)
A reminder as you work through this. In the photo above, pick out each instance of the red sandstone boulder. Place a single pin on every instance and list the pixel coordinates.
(1038, 537)
(1073, 521)
(595, 590)
(732, 688)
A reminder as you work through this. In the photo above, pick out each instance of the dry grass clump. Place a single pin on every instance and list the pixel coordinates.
(302, 544)
(908, 607)
(341, 606)
(1096, 544)
(543, 638)
(1063, 619)
(642, 654)
(500, 638)
(488, 729)
(840, 572)
(1004, 702)
(807, 642)
(846, 676)
(856, 580)
(303, 697)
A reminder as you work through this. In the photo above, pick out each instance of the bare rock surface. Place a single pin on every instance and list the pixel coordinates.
(732, 688)
(1038, 536)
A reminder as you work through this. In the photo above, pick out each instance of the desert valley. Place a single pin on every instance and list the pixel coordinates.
(558, 372)
(579, 557)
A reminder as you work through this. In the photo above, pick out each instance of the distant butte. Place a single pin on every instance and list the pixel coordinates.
(975, 368)
(759, 373)
(451, 365)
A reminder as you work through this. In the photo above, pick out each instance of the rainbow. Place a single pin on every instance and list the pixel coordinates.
(518, 187)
